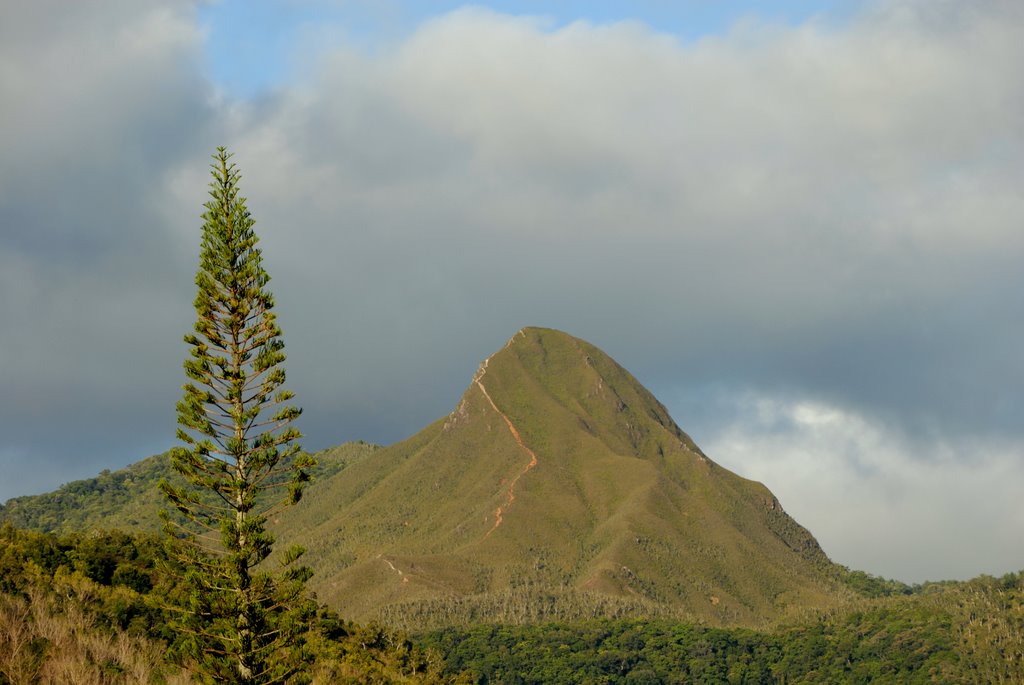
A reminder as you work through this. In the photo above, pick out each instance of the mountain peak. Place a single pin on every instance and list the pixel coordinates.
(557, 470)
(527, 337)
(583, 380)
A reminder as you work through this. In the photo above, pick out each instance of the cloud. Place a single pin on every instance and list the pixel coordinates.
(96, 106)
(876, 500)
(826, 208)
(814, 213)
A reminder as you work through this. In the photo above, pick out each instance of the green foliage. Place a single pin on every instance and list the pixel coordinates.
(59, 625)
(868, 585)
(127, 497)
(238, 622)
(350, 653)
(110, 574)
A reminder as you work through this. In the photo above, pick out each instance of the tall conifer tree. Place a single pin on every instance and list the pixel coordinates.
(240, 459)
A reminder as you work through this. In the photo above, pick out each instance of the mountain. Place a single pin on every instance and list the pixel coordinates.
(559, 487)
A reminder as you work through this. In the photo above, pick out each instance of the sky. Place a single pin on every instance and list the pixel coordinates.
(798, 224)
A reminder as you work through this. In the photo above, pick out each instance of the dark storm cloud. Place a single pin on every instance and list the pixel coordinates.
(97, 104)
(819, 220)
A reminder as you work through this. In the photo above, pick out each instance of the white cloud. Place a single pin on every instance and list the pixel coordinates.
(912, 510)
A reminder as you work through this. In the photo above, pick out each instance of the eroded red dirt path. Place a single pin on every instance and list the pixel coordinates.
(511, 496)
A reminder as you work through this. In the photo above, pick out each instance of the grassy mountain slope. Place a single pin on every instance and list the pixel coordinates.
(557, 482)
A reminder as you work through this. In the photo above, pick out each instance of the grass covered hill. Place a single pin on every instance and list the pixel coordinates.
(557, 488)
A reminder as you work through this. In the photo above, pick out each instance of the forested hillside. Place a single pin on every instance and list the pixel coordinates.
(130, 498)
(944, 633)
(93, 609)
(90, 609)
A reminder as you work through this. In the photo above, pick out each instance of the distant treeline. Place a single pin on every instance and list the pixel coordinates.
(944, 633)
